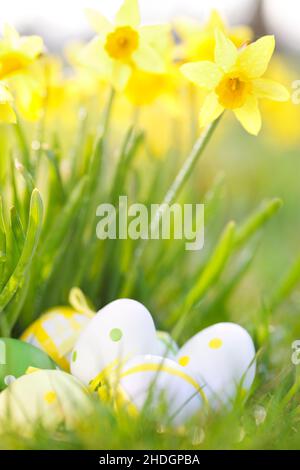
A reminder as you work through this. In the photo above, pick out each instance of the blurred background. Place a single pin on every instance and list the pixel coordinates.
(58, 21)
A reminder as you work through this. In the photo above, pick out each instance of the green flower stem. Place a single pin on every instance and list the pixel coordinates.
(188, 167)
(108, 113)
(30, 245)
(23, 144)
(171, 196)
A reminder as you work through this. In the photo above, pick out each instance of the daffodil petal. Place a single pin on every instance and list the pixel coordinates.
(94, 57)
(129, 14)
(153, 32)
(205, 74)
(158, 36)
(10, 34)
(32, 46)
(7, 113)
(146, 58)
(29, 97)
(5, 95)
(269, 89)
(241, 35)
(120, 75)
(225, 51)
(215, 21)
(98, 22)
(249, 115)
(210, 110)
(253, 61)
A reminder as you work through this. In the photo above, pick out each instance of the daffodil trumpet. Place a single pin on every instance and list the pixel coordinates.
(120, 47)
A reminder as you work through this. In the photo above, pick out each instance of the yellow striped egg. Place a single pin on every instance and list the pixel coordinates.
(222, 358)
(56, 333)
(162, 385)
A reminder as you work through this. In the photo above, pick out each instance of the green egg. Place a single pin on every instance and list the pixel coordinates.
(15, 358)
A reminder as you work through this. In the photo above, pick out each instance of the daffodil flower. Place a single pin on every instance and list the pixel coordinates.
(17, 55)
(282, 119)
(7, 113)
(17, 52)
(198, 41)
(118, 49)
(235, 81)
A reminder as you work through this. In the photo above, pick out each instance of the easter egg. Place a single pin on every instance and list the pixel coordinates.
(52, 399)
(56, 333)
(222, 358)
(16, 357)
(165, 345)
(161, 384)
(122, 329)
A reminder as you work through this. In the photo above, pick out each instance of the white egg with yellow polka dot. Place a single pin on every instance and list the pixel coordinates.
(122, 329)
(222, 358)
(49, 398)
(157, 384)
(165, 345)
(56, 333)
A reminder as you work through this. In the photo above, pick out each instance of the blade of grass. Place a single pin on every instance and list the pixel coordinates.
(26, 175)
(286, 286)
(170, 197)
(251, 226)
(23, 145)
(14, 307)
(210, 274)
(17, 229)
(28, 252)
(3, 257)
(52, 158)
(59, 229)
(16, 198)
(3, 244)
(129, 148)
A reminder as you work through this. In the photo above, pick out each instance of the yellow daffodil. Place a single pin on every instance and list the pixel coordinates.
(17, 55)
(7, 113)
(198, 42)
(144, 87)
(282, 119)
(118, 48)
(17, 52)
(234, 81)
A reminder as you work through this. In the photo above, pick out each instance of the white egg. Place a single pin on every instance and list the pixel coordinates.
(122, 329)
(50, 398)
(161, 384)
(222, 358)
(165, 345)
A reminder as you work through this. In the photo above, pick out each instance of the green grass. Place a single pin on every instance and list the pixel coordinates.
(248, 272)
